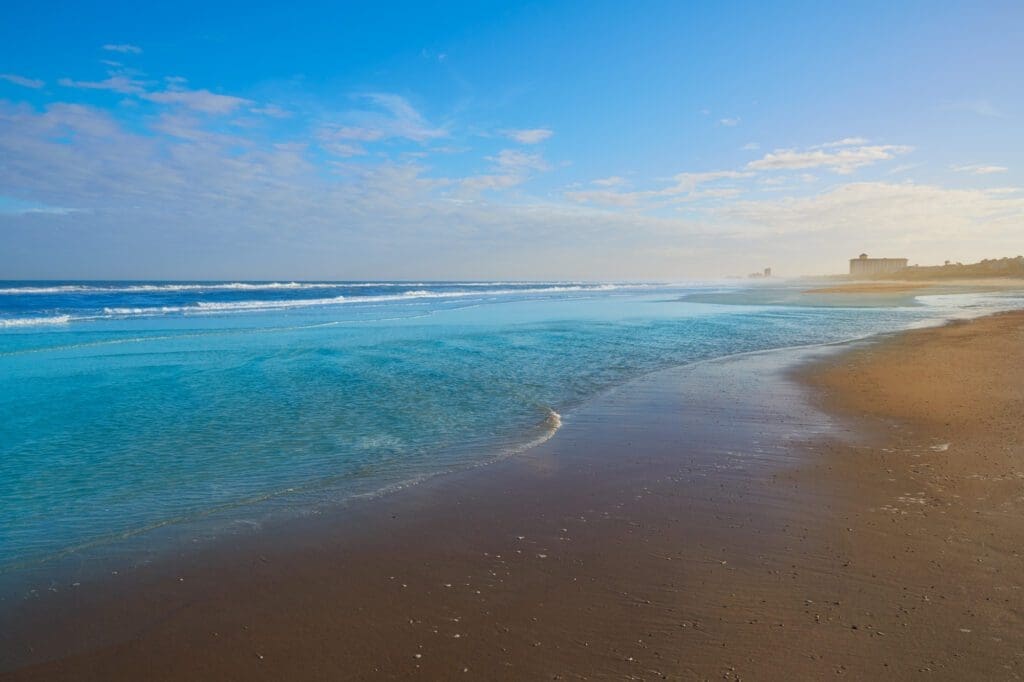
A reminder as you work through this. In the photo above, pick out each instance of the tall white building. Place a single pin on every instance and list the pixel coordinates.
(869, 267)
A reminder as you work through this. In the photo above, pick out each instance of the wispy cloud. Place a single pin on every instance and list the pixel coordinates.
(513, 159)
(981, 107)
(404, 121)
(750, 147)
(685, 187)
(271, 110)
(845, 142)
(729, 122)
(529, 135)
(24, 82)
(392, 117)
(605, 197)
(980, 169)
(907, 210)
(123, 48)
(347, 141)
(116, 83)
(842, 156)
(198, 100)
(15, 207)
(510, 167)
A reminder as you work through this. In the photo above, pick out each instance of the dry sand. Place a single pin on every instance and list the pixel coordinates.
(702, 523)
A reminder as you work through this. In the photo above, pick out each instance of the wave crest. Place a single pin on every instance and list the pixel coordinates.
(35, 321)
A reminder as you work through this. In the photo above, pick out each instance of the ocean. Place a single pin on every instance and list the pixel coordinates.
(137, 416)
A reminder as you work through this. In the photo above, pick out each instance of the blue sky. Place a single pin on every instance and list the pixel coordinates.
(591, 140)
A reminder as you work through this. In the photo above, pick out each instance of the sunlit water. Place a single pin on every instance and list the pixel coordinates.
(127, 409)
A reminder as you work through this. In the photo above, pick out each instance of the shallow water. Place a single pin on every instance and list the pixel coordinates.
(142, 411)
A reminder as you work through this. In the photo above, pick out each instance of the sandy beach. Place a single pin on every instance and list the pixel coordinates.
(848, 511)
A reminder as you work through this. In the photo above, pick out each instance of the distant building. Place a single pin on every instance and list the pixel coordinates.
(869, 267)
(767, 272)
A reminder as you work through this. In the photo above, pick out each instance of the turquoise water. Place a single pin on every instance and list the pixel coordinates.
(131, 407)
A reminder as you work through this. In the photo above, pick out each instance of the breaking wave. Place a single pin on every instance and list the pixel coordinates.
(123, 288)
(257, 305)
(35, 321)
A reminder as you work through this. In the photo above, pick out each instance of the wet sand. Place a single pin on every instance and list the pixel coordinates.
(868, 288)
(935, 285)
(708, 522)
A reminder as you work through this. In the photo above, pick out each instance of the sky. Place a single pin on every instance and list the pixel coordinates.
(485, 140)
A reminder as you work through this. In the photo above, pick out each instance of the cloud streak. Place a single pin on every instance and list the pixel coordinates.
(980, 169)
(202, 101)
(120, 84)
(530, 135)
(907, 211)
(23, 81)
(123, 48)
(842, 157)
(685, 187)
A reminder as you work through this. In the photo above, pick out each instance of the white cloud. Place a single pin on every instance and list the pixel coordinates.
(117, 83)
(24, 82)
(271, 110)
(980, 169)
(686, 183)
(490, 182)
(515, 160)
(903, 168)
(750, 147)
(981, 107)
(729, 122)
(343, 149)
(31, 209)
(845, 142)
(900, 211)
(613, 181)
(123, 48)
(393, 118)
(356, 133)
(348, 141)
(604, 197)
(510, 167)
(198, 100)
(842, 156)
(404, 120)
(529, 135)
(686, 187)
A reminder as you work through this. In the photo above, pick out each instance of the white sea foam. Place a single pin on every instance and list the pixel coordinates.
(35, 321)
(156, 288)
(965, 306)
(227, 306)
(248, 286)
(259, 305)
